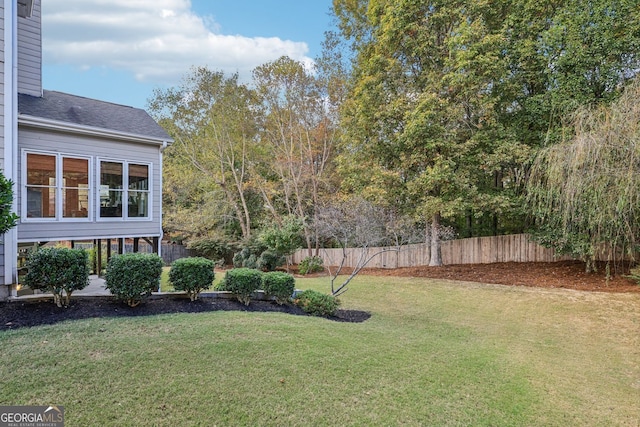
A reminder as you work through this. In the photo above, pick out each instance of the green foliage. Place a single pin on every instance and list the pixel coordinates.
(93, 253)
(583, 193)
(278, 285)
(634, 274)
(449, 100)
(213, 248)
(8, 219)
(284, 238)
(311, 264)
(269, 260)
(243, 282)
(255, 254)
(207, 182)
(316, 303)
(192, 275)
(59, 271)
(249, 254)
(132, 277)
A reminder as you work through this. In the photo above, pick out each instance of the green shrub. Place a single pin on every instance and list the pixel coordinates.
(634, 274)
(243, 282)
(278, 285)
(215, 249)
(58, 270)
(222, 285)
(311, 264)
(248, 256)
(192, 275)
(269, 260)
(132, 277)
(251, 262)
(93, 253)
(316, 303)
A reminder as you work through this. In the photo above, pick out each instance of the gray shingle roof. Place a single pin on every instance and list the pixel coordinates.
(82, 111)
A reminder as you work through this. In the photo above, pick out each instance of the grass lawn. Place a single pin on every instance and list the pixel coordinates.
(433, 353)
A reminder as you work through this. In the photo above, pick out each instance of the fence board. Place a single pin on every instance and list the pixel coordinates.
(474, 250)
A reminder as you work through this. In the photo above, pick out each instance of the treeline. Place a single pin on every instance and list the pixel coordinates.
(433, 111)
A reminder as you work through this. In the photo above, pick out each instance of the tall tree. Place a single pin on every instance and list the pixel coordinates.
(421, 129)
(299, 134)
(213, 120)
(450, 99)
(584, 191)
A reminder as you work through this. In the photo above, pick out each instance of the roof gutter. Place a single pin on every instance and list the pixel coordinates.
(56, 125)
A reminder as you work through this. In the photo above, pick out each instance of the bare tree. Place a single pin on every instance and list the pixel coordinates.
(356, 226)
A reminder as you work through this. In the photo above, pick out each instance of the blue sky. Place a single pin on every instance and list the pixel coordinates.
(120, 50)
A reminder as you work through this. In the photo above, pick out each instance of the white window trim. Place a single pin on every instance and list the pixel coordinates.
(125, 192)
(59, 209)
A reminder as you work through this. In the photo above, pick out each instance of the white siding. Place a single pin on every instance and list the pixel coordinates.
(1, 125)
(30, 53)
(2, 85)
(96, 148)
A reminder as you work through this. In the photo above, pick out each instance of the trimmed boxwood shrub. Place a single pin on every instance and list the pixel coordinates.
(311, 264)
(192, 275)
(278, 285)
(58, 270)
(132, 277)
(243, 282)
(316, 303)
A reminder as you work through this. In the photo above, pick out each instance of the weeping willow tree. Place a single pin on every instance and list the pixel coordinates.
(585, 192)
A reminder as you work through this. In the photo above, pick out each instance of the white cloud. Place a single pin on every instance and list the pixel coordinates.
(158, 41)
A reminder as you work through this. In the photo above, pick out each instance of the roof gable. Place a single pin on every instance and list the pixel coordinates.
(86, 112)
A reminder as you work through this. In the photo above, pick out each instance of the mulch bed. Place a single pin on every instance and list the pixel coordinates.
(18, 314)
(561, 274)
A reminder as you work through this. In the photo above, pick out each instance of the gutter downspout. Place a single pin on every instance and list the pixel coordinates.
(11, 131)
(164, 146)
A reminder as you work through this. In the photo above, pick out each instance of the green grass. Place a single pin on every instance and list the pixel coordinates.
(433, 353)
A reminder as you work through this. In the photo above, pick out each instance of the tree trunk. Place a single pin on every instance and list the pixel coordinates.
(436, 252)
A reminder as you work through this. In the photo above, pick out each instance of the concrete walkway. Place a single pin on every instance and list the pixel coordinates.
(96, 288)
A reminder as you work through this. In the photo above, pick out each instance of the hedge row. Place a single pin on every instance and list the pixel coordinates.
(134, 276)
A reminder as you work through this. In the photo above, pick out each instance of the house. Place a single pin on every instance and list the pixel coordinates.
(83, 169)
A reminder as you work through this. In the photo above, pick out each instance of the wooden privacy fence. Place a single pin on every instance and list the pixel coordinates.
(475, 250)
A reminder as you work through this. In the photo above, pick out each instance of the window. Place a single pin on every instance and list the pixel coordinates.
(56, 187)
(138, 191)
(75, 188)
(120, 201)
(41, 186)
(111, 189)
(60, 187)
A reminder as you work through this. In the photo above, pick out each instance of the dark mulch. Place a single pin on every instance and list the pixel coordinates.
(19, 314)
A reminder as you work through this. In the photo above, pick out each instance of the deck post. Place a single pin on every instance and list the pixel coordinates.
(98, 257)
